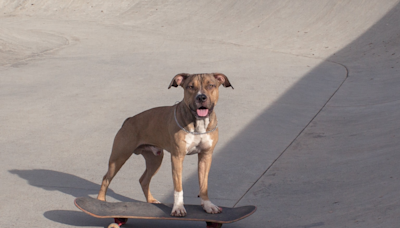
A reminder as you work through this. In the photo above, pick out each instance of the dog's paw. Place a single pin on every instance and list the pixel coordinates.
(210, 207)
(178, 211)
(154, 201)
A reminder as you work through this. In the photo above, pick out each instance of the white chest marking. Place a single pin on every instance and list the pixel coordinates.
(197, 143)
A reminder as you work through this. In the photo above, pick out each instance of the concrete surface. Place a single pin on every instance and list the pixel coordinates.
(310, 135)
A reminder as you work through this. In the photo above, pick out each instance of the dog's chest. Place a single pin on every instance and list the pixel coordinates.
(197, 143)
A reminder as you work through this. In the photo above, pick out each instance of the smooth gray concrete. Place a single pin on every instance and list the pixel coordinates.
(310, 134)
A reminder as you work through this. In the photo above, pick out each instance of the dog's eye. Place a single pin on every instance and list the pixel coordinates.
(211, 86)
(190, 87)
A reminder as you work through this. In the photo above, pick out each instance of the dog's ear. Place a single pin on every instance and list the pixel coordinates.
(178, 80)
(223, 80)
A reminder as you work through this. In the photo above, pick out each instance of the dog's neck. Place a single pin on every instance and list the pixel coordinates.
(201, 125)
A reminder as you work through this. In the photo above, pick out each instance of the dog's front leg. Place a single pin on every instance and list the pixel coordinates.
(177, 165)
(204, 166)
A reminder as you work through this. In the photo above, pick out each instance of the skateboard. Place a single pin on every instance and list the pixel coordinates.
(121, 211)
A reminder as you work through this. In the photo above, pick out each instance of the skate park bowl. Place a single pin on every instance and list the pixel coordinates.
(310, 134)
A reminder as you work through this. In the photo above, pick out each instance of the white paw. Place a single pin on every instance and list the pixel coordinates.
(178, 211)
(210, 207)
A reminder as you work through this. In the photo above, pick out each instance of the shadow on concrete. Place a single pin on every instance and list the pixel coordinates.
(51, 180)
(74, 218)
(372, 55)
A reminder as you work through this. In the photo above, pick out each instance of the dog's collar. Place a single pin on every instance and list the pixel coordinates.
(192, 132)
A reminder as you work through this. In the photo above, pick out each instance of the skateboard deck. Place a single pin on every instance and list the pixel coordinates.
(143, 210)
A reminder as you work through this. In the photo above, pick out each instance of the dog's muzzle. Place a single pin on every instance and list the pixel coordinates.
(202, 111)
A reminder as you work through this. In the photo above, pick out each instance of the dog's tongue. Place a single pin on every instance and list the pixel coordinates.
(202, 112)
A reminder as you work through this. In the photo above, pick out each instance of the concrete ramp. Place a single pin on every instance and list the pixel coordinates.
(310, 135)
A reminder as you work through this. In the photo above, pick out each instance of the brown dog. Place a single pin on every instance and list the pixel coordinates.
(189, 127)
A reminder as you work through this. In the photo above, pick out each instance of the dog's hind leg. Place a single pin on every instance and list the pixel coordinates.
(123, 148)
(153, 157)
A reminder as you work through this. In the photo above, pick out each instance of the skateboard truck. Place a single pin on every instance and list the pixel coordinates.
(120, 221)
(213, 225)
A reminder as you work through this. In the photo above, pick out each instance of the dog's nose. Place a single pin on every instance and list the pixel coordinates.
(201, 97)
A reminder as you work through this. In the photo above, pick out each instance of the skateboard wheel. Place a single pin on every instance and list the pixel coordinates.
(113, 225)
(214, 225)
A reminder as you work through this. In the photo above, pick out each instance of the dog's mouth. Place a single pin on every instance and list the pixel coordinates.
(202, 111)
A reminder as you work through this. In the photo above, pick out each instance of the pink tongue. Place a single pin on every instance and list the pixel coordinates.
(202, 112)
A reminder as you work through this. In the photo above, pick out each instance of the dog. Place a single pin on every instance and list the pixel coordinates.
(186, 128)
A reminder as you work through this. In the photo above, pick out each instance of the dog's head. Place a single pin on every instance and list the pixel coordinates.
(200, 91)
